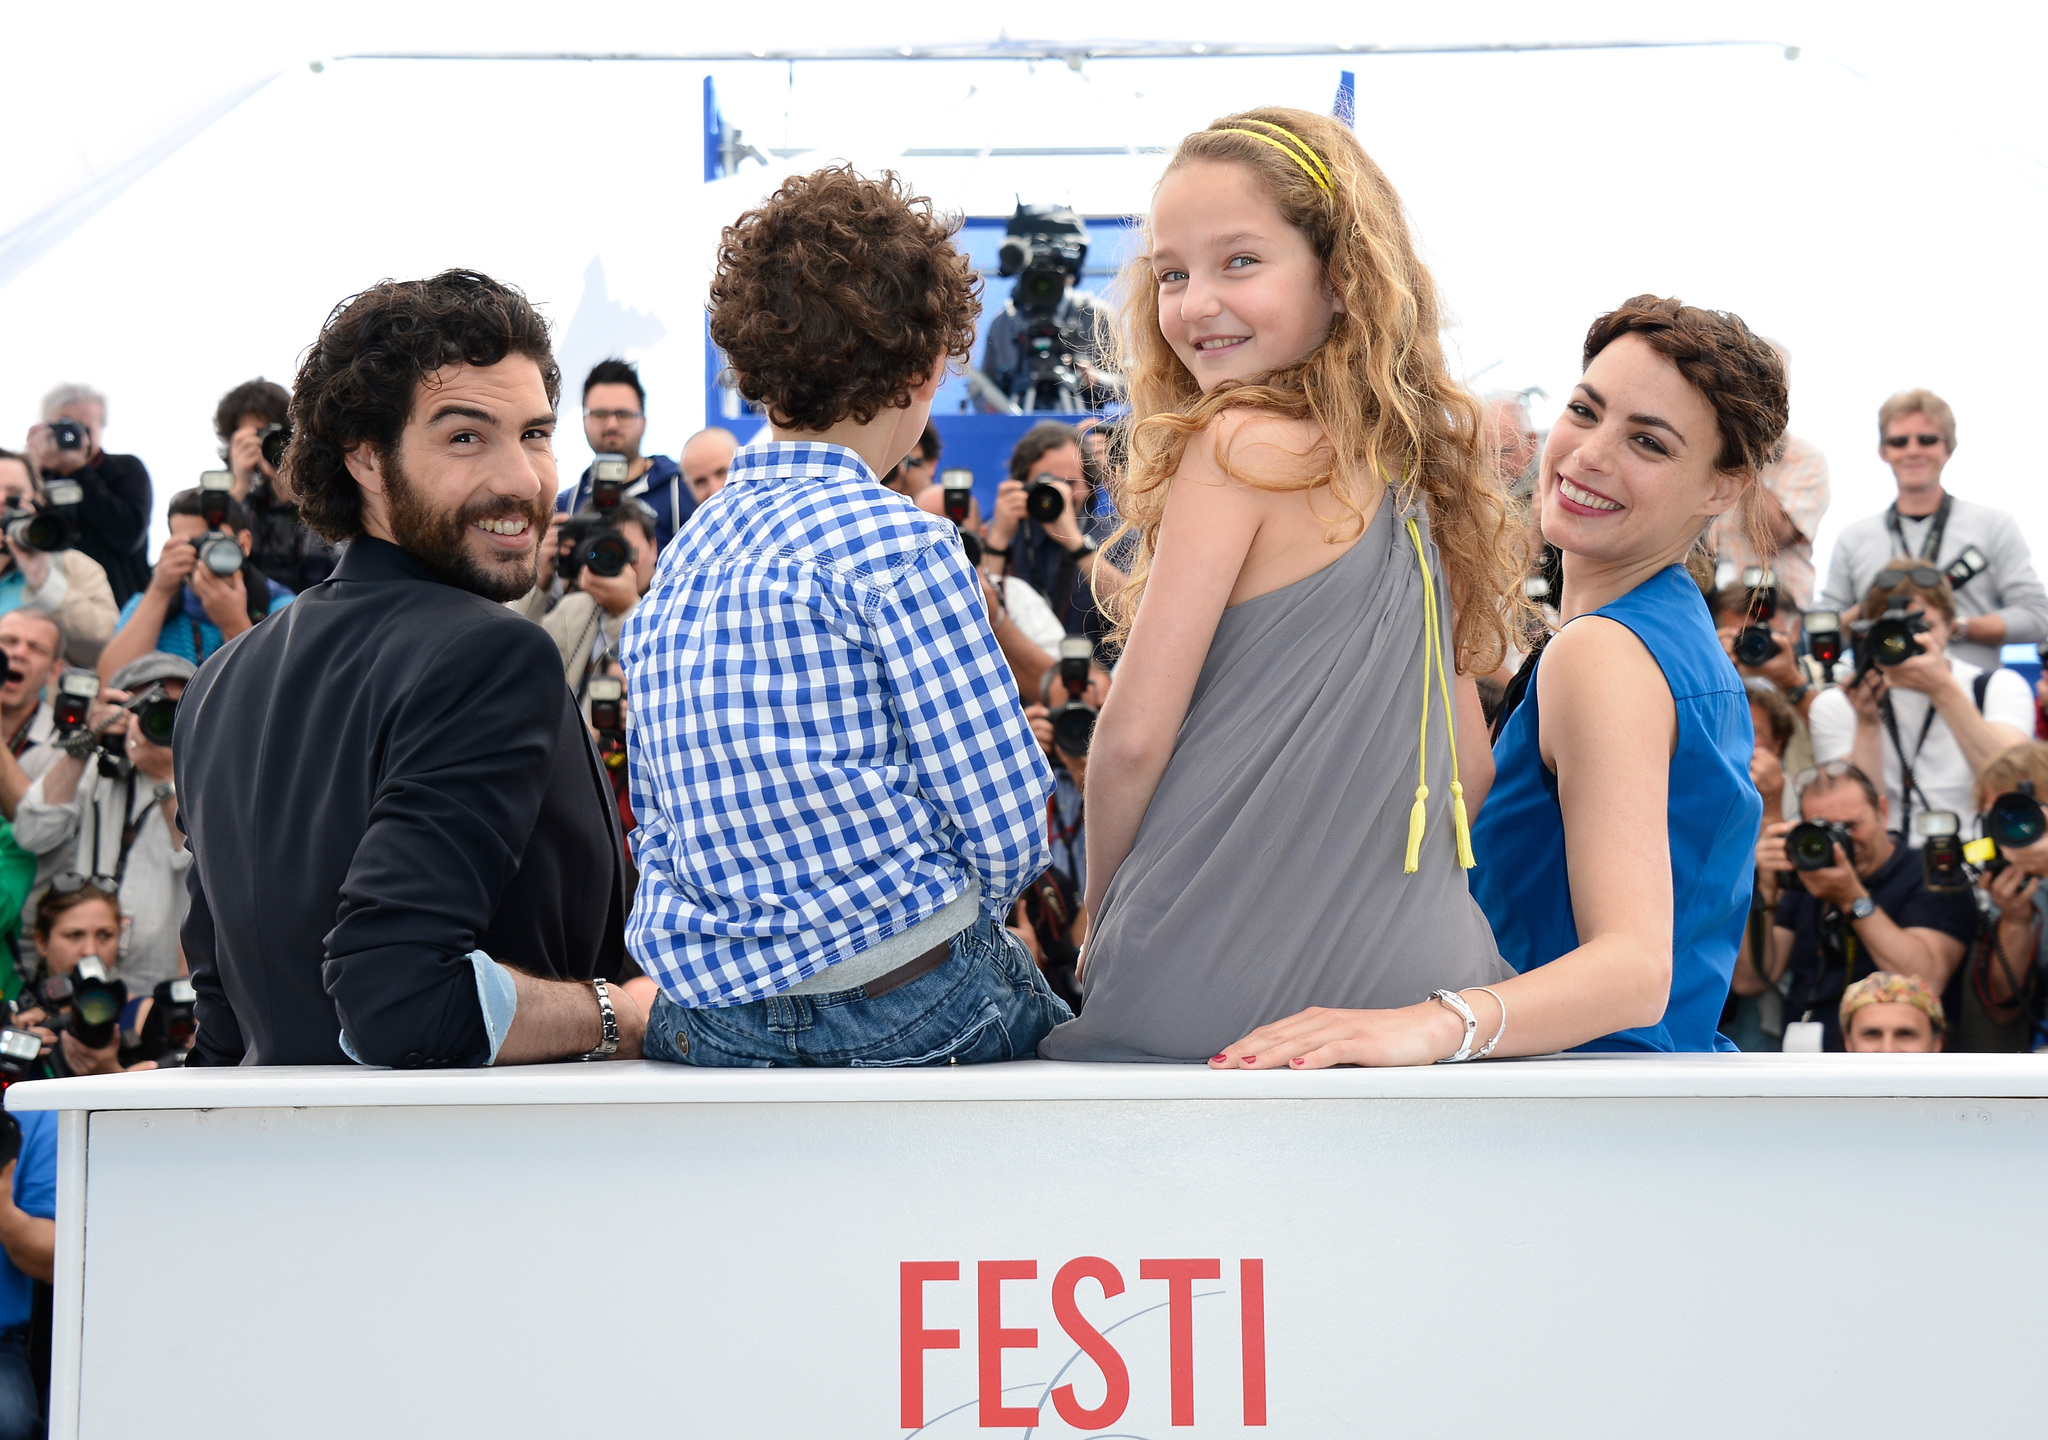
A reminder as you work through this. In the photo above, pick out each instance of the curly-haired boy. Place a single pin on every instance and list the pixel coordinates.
(838, 794)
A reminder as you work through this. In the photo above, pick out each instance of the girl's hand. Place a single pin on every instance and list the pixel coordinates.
(1318, 1038)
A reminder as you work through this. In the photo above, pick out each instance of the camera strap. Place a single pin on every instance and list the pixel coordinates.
(1931, 548)
(1911, 787)
(18, 742)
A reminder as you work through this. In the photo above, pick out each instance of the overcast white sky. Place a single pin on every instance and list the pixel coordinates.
(1878, 203)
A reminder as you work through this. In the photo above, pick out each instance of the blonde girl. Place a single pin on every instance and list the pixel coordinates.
(1281, 783)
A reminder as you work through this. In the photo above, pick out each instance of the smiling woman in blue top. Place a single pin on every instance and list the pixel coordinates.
(1615, 859)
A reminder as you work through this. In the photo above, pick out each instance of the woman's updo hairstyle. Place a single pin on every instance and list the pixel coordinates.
(1738, 373)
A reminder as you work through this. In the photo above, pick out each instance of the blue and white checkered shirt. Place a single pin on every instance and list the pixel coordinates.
(824, 741)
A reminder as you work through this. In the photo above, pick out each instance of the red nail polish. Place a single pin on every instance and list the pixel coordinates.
(1295, 1061)
(1251, 1059)
(1218, 1059)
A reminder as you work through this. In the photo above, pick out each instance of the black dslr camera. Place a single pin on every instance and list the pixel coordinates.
(1073, 724)
(170, 1026)
(591, 536)
(87, 1002)
(218, 549)
(1889, 640)
(67, 434)
(273, 439)
(957, 487)
(2014, 821)
(1756, 644)
(1810, 845)
(47, 525)
(155, 712)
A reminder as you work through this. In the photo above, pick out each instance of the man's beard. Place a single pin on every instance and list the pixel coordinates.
(440, 540)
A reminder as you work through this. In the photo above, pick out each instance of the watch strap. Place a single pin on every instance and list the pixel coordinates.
(608, 1045)
(1862, 908)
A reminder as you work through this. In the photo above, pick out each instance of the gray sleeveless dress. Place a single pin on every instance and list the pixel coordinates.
(1267, 873)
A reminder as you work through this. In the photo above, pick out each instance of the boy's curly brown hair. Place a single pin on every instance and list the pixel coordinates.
(834, 295)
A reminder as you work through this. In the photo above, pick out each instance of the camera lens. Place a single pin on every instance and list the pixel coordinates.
(221, 555)
(2015, 821)
(1073, 727)
(1755, 646)
(607, 554)
(158, 719)
(1045, 502)
(273, 439)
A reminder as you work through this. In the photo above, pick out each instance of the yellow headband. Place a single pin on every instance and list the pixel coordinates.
(1312, 165)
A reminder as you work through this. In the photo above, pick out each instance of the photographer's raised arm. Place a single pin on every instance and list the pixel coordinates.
(462, 785)
(152, 608)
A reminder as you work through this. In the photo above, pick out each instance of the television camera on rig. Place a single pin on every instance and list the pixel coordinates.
(1043, 248)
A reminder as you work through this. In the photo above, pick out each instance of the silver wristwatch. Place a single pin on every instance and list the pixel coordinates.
(1862, 908)
(607, 1046)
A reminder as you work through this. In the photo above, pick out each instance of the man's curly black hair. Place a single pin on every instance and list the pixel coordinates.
(834, 296)
(358, 382)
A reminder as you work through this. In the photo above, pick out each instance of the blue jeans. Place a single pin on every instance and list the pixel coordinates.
(21, 1412)
(986, 1002)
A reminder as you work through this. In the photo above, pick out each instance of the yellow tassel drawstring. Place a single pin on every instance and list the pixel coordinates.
(1433, 654)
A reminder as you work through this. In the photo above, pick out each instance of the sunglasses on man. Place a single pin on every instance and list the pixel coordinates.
(1900, 442)
(1925, 576)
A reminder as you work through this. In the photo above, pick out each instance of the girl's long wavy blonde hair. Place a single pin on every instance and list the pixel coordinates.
(1377, 387)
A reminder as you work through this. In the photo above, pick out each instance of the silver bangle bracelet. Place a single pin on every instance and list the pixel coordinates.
(1455, 1002)
(1487, 1049)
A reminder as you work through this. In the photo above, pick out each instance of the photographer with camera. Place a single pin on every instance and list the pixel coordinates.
(1856, 902)
(81, 997)
(1920, 717)
(253, 421)
(115, 496)
(204, 591)
(610, 576)
(1047, 349)
(107, 811)
(31, 643)
(615, 422)
(1998, 599)
(1044, 530)
(40, 571)
(2011, 858)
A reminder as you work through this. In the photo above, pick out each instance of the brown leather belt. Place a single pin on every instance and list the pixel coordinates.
(909, 970)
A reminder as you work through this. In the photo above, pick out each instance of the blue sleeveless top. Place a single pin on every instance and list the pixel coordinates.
(1522, 883)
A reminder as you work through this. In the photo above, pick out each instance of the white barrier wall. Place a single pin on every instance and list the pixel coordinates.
(1695, 1246)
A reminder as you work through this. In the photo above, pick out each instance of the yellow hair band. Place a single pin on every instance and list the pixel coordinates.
(1312, 165)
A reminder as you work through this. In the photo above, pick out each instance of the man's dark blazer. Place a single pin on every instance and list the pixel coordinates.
(383, 776)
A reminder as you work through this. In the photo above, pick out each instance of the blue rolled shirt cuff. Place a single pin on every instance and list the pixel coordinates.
(497, 996)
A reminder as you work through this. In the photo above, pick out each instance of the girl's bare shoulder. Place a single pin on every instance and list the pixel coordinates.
(1243, 445)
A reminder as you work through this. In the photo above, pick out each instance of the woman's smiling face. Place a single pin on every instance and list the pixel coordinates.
(1630, 470)
(1241, 291)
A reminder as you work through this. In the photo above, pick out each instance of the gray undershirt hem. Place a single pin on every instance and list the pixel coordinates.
(878, 960)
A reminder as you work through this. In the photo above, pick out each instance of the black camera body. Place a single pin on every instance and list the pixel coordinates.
(1044, 247)
(608, 719)
(218, 549)
(67, 434)
(1756, 644)
(1891, 639)
(591, 536)
(273, 439)
(87, 1002)
(1073, 724)
(1810, 845)
(43, 526)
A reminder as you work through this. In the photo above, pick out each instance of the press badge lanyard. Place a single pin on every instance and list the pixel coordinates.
(1931, 548)
(1912, 786)
(130, 829)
